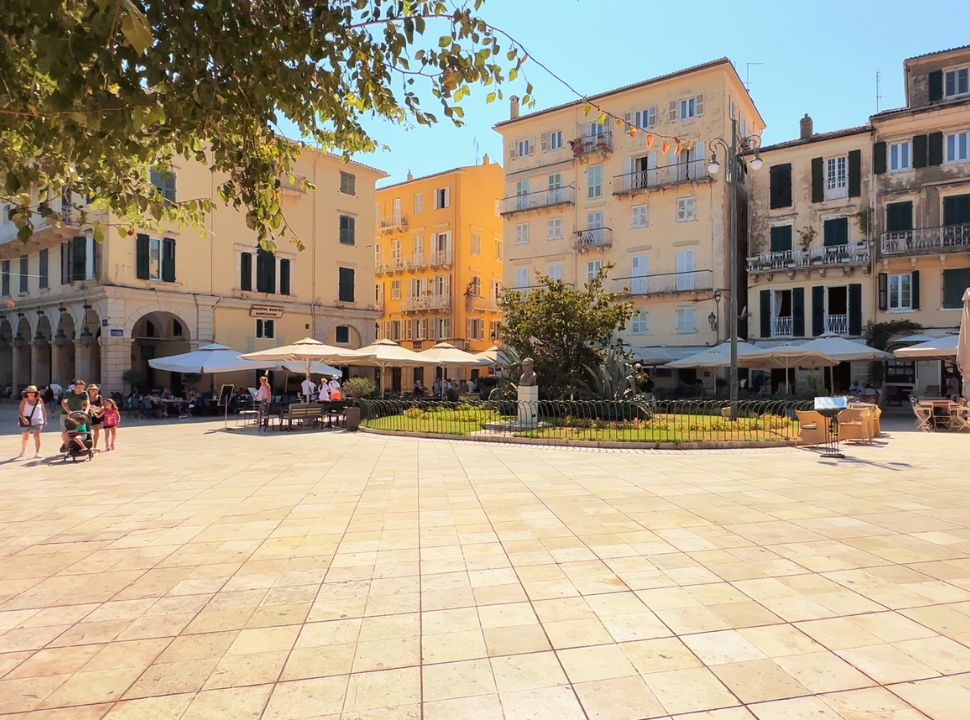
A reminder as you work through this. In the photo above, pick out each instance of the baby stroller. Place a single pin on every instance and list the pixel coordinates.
(78, 425)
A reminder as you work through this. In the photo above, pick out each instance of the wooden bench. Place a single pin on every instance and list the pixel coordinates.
(300, 412)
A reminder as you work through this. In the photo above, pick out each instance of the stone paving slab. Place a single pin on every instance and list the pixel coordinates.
(197, 574)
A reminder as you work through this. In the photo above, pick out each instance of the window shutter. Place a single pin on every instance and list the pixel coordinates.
(883, 291)
(245, 271)
(899, 216)
(672, 114)
(818, 191)
(284, 277)
(65, 265)
(79, 251)
(855, 173)
(168, 260)
(919, 151)
(934, 155)
(818, 310)
(141, 260)
(855, 309)
(914, 290)
(798, 312)
(765, 313)
(781, 238)
(936, 85)
(780, 190)
(42, 268)
(699, 105)
(879, 158)
(544, 141)
(628, 118)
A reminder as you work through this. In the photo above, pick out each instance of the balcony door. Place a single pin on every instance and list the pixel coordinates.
(638, 271)
(837, 310)
(781, 313)
(686, 261)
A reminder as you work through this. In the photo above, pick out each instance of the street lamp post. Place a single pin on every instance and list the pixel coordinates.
(732, 151)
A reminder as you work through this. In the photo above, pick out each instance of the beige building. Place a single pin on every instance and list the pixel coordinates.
(74, 307)
(438, 254)
(921, 160)
(579, 195)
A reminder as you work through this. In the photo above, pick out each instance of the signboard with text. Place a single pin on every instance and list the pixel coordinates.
(266, 311)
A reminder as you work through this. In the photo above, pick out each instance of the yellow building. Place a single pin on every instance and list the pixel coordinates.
(579, 195)
(74, 307)
(809, 244)
(922, 169)
(438, 254)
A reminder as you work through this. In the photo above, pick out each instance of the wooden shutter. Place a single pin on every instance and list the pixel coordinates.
(835, 232)
(765, 313)
(879, 158)
(284, 277)
(43, 269)
(345, 289)
(919, 151)
(956, 210)
(699, 105)
(672, 114)
(245, 271)
(855, 173)
(781, 238)
(79, 251)
(780, 190)
(855, 309)
(883, 291)
(798, 312)
(914, 290)
(899, 216)
(818, 180)
(168, 260)
(935, 82)
(141, 257)
(818, 310)
(65, 264)
(934, 149)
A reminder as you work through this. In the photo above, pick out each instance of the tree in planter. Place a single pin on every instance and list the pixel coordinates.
(359, 387)
(564, 329)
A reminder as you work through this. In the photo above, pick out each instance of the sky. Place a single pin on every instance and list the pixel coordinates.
(817, 57)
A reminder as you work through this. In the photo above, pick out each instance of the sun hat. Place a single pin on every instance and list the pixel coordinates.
(30, 389)
(93, 387)
(80, 382)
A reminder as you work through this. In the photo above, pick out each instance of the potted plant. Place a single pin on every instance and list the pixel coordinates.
(355, 389)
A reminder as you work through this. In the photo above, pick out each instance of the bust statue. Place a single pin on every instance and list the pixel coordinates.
(528, 376)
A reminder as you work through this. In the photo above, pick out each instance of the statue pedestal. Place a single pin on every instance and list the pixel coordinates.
(528, 405)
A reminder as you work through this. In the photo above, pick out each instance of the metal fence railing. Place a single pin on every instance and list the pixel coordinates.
(636, 420)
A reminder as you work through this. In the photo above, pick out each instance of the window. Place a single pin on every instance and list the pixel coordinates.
(155, 259)
(688, 108)
(265, 271)
(900, 156)
(475, 329)
(594, 182)
(521, 278)
(955, 283)
(395, 329)
(686, 321)
(594, 220)
(379, 294)
(164, 180)
(496, 290)
(779, 193)
(345, 284)
(417, 250)
(245, 271)
(836, 177)
(265, 328)
(639, 217)
(555, 271)
(396, 252)
(493, 330)
(347, 230)
(418, 203)
(342, 334)
(5, 277)
(901, 292)
(957, 146)
(554, 229)
(284, 276)
(74, 256)
(592, 268)
(686, 209)
(476, 246)
(639, 265)
(643, 119)
(43, 269)
(835, 232)
(442, 198)
(552, 140)
(524, 147)
(956, 82)
(395, 289)
(442, 328)
(686, 265)
(24, 265)
(521, 233)
(640, 323)
(555, 181)
(781, 237)
(348, 183)
(521, 189)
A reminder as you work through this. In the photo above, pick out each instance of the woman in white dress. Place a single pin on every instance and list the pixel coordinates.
(32, 417)
(324, 392)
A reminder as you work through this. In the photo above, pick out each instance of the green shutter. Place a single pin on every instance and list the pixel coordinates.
(956, 210)
(855, 309)
(65, 263)
(141, 257)
(935, 82)
(835, 232)
(914, 290)
(345, 284)
(284, 277)
(765, 313)
(879, 158)
(44, 269)
(818, 181)
(780, 186)
(168, 260)
(798, 312)
(818, 310)
(781, 238)
(883, 292)
(955, 283)
(934, 149)
(919, 151)
(899, 216)
(855, 173)
(246, 271)
(79, 252)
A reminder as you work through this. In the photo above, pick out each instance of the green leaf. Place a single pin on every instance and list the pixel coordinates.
(135, 27)
(444, 41)
(490, 98)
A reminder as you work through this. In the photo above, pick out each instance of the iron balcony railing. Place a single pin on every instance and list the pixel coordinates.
(948, 238)
(595, 142)
(436, 259)
(781, 326)
(398, 222)
(539, 199)
(663, 176)
(598, 237)
(845, 255)
(837, 324)
(427, 302)
(661, 283)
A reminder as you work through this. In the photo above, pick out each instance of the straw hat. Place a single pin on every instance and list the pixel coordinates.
(79, 382)
(30, 389)
(92, 387)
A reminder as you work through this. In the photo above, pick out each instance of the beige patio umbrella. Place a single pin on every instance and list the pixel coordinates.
(941, 348)
(716, 356)
(841, 349)
(388, 354)
(963, 345)
(446, 355)
(784, 356)
(307, 352)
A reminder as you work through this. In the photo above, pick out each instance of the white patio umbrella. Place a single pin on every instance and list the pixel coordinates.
(446, 355)
(963, 345)
(840, 349)
(317, 368)
(716, 356)
(211, 359)
(388, 354)
(655, 355)
(784, 356)
(942, 348)
(494, 355)
(306, 352)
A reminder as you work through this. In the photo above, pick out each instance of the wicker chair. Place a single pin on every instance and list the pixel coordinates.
(813, 428)
(856, 424)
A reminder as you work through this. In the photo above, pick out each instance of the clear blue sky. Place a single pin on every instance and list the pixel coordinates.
(819, 57)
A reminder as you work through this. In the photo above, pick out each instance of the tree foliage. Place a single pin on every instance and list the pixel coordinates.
(564, 329)
(96, 92)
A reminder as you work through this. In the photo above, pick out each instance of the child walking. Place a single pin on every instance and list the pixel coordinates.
(110, 422)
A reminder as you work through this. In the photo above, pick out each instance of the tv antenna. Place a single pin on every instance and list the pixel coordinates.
(475, 143)
(747, 74)
(878, 96)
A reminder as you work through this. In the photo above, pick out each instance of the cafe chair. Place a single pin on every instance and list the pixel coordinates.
(812, 428)
(855, 424)
(924, 415)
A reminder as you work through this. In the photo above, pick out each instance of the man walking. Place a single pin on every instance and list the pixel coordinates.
(75, 401)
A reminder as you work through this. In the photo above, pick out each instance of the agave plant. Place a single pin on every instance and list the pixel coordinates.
(614, 378)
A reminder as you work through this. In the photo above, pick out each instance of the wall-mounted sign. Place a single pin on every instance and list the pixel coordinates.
(117, 332)
(266, 311)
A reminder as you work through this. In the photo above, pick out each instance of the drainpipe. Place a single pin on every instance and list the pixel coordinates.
(313, 252)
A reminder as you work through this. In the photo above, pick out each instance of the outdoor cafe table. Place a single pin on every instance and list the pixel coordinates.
(943, 411)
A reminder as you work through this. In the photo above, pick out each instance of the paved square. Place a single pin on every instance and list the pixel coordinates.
(196, 574)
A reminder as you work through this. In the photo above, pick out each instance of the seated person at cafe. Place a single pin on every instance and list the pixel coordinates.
(418, 389)
(870, 394)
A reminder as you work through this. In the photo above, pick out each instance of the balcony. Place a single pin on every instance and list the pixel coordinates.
(479, 303)
(394, 224)
(660, 177)
(835, 255)
(781, 326)
(599, 142)
(837, 324)
(537, 200)
(41, 223)
(439, 259)
(664, 283)
(593, 238)
(948, 238)
(427, 302)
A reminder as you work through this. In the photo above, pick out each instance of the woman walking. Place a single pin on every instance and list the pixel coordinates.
(96, 411)
(32, 418)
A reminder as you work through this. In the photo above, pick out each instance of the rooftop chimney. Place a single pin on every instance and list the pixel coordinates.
(805, 127)
(513, 107)
(410, 176)
(485, 159)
